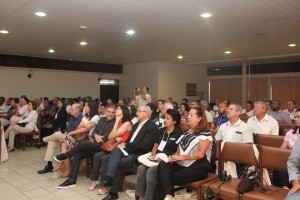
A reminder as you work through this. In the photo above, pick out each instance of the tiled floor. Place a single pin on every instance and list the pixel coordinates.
(19, 180)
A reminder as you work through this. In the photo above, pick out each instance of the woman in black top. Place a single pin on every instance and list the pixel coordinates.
(165, 143)
(191, 161)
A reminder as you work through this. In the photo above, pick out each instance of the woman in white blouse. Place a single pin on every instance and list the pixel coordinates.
(26, 125)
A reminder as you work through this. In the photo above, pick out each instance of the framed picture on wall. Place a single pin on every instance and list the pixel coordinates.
(191, 89)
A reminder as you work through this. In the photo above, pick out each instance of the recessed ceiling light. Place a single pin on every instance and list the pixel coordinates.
(227, 52)
(292, 45)
(40, 14)
(205, 15)
(51, 51)
(216, 69)
(4, 32)
(83, 43)
(180, 57)
(130, 32)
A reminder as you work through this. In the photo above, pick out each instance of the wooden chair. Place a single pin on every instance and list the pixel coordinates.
(270, 158)
(124, 173)
(237, 153)
(24, 138)
(269, 140)
(284, 128)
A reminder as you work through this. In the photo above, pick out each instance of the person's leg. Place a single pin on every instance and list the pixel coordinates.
(54, 137)
(125, 163)
(103, 168)
(112, 165)
(6, 133)
(75, 165)
(84, 146)
(97, 165)
(151, 177)
(16, 130)
(140, 188)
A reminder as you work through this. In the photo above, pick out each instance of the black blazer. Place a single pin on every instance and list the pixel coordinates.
(61, 121)
(144, 140)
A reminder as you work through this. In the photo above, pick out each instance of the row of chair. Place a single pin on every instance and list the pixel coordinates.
(244, 153)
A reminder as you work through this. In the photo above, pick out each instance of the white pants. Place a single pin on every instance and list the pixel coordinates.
(53, 143)
(12, 131)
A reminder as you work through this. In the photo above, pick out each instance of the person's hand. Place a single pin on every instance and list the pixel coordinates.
(98, 138)
(295, 188)
(122, 145)
(176, 158)
(151, 157)
(118, 139)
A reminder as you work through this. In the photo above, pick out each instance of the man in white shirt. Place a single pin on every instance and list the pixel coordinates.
(39, 104)
(291, 109)
(142, 96)
(235, 130)
(261, 122)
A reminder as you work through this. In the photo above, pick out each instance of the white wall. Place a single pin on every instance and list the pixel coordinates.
(139, 75)
(164, 79)
(14, 82)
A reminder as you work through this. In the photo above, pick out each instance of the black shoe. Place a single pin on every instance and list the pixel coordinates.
(67, 184)
(108, 181)
(38, 145)
(61, 157)
(111, 196)
(45, 170)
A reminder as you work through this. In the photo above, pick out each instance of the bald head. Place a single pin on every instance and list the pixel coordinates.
(75, 110)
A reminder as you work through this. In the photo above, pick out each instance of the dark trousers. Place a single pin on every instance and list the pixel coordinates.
(98, 163)
(80, 151)
(169, 175)
(46, 132)
(281, 179)
(117, 161)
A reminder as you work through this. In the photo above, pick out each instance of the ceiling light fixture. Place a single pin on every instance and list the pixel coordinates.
(205, 15)
(83, 43)
(180, 57)
(216, 69)
(292, 45)
(130, 32)
(40, 14)
(51, 51)
(4, 32)
(227, 52)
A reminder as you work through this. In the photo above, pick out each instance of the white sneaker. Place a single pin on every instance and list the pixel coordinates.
(130, 193)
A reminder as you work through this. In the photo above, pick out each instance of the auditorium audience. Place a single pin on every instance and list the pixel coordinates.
(160, 105)
(160, 121)
(184, 111)
(5, 116)
(142, 96)
(132, 111)
(39, 104)
(248, 111)
(19, 111)
(222, 114)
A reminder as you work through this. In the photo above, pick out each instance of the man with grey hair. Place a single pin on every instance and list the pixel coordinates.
(261, 122)
(278, 114)
(140, 141)
(235, 130)
(53, 140)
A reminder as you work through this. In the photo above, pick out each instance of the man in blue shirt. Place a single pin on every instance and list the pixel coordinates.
(53, 140)
(222, 118)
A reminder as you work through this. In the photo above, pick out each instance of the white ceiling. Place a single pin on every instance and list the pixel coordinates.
(164, 29)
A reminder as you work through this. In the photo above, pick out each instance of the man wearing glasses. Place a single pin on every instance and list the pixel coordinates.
(140, 141)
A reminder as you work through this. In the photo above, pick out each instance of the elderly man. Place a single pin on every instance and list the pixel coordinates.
(291, 109)
(278, 114)
(142, 96)
(139, 142)
(53, 140)
(87, 148)
(39, 104)
(261, 122)
(235, 130)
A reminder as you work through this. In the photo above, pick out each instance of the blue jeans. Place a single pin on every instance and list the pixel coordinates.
(295, 196)
(117, 161)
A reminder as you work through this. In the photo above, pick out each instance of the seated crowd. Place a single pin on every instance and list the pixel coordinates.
(177, 138)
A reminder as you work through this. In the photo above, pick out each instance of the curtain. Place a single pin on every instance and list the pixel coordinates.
(226, 89)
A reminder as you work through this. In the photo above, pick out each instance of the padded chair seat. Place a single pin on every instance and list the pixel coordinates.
(197, 184)
(270, 195)
(228, 189)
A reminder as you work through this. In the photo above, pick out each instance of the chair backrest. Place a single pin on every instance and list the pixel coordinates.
(284, 128)
(273, 158)
(269, 140)
(238, 153)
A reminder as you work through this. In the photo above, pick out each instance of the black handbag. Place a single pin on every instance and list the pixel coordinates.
(22, 124)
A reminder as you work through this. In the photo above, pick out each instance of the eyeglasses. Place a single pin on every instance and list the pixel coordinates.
(141, 111)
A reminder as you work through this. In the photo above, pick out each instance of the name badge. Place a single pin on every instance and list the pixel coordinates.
(162, 145)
